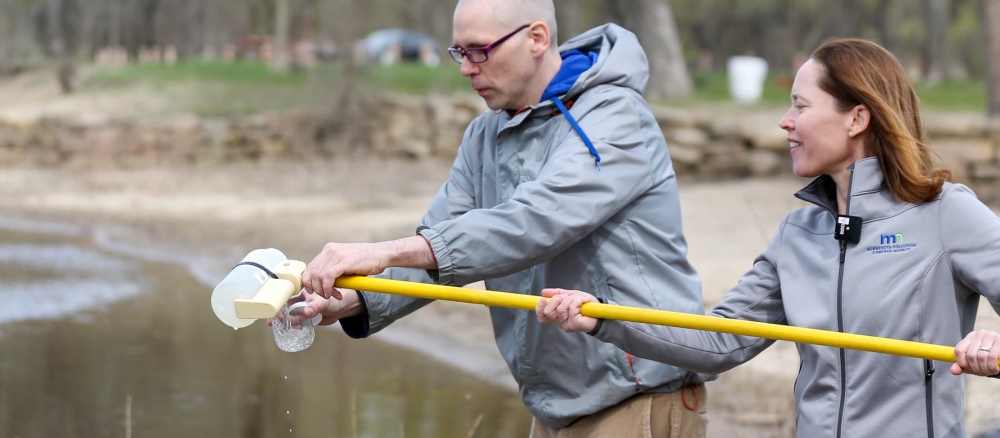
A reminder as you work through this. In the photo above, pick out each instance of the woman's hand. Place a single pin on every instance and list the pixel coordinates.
(977, 354)
(563, 308)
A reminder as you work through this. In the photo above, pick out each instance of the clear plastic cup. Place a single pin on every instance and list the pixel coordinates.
(293, 331)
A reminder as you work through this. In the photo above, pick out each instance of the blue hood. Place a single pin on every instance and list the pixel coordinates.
(574, 64)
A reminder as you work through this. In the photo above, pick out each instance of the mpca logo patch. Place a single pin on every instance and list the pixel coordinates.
(891, 244)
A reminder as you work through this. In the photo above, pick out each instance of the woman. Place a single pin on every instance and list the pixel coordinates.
(914, 269)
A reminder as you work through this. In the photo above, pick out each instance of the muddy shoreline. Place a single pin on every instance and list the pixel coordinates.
(207, 219)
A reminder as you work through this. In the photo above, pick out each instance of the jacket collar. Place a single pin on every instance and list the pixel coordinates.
(868, 198)
(866, 177)
(822, 192)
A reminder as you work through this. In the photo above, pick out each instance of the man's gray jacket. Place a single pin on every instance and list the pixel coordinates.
(527, 208)
(917, 274)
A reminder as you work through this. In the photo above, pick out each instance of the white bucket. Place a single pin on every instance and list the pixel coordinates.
(746, 78)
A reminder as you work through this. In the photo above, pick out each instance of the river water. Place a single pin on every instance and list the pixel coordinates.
(94, 343)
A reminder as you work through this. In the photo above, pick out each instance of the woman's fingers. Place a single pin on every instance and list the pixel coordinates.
(978, 354)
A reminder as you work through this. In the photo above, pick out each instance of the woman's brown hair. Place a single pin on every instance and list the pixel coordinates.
(859, 72)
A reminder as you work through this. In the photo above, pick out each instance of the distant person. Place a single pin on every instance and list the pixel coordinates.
(566, 181)
(918, 255)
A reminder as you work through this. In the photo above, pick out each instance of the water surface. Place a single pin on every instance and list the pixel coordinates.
(82, 330)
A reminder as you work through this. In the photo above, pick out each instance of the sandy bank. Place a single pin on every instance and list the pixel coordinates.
(213, 217)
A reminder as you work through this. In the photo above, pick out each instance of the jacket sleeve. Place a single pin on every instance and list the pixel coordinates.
(970, 234)
(757, 298)
(569, 198)
(455, 198)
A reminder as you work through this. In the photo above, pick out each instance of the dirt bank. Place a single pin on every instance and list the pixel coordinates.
(215, 216)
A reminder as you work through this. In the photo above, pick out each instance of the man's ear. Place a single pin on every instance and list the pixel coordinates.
(540, 36)
(859, 123)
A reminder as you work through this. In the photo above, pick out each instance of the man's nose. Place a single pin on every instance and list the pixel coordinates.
(469, 68)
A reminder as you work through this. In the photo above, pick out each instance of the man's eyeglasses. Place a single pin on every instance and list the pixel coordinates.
(478, 55)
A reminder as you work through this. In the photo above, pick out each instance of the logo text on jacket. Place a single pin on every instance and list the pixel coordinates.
(891, 244)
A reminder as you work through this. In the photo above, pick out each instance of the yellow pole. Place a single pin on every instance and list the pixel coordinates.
(660, 317)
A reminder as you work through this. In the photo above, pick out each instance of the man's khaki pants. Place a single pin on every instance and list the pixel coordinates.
(680, 414)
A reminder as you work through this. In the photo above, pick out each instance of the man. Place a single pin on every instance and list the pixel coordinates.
(542, 195)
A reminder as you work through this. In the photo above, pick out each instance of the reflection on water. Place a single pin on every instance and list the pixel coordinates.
(81, 330)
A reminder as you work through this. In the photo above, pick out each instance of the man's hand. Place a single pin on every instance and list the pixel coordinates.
(333, 309)
(977, 354)
(563, 308)
(339, 259)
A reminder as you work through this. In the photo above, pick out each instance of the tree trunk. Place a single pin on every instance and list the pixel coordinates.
(653, 22)
(989, 11)
(115, 23)
(885, 24)
(842, 22)
(194, 18)
(936, 44)
(279, 62)
(54, 21)
(567, 20)
(62, 21)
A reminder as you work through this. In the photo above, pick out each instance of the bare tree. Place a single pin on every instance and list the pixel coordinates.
(843, 21)
(778, 30)
(60, 36)
(989, 12)
(568, 19)
(6, 34)
(115, 24)
(884, 23)
(279, 62)
(653, 22)
(936, 44)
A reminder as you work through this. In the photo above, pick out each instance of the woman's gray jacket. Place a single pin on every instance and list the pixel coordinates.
(917, 274)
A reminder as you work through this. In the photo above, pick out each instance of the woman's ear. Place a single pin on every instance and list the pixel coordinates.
(860, 120)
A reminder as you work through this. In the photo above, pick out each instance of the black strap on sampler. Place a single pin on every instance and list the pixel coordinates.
(261, 267)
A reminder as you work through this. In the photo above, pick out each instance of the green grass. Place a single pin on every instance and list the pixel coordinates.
(712, 88)
(418, 79)
(407, 78)
(236, 72)
(221, 88)
(954, 96)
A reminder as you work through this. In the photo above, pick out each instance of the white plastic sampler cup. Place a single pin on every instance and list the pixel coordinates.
(243, 282)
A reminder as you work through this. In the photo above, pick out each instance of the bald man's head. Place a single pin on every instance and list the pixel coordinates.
(509, 14)
(507, 49)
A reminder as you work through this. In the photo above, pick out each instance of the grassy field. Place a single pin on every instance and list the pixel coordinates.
(219, 88)
(945, 96)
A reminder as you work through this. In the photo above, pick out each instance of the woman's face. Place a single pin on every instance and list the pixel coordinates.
(820, 137)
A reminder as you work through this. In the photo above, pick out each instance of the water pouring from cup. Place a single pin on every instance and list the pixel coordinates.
(293, 331)
(266, 285)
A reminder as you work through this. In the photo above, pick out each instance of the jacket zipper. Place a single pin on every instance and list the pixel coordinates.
(929, 391)
(840, 315)
(840, 328)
